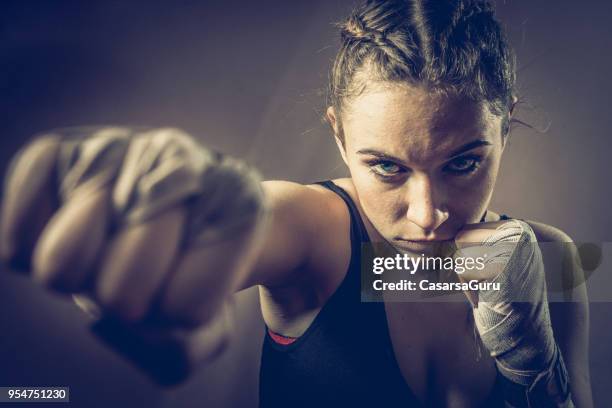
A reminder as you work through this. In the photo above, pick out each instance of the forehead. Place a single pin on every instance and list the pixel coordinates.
(416, 123)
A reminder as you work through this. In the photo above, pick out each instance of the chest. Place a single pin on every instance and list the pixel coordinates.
(438, 353)
(434, 344)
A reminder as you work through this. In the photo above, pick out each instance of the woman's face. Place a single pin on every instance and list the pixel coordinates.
(424, 164)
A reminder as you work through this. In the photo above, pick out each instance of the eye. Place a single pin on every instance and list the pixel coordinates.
(384, 168)
(463, 165)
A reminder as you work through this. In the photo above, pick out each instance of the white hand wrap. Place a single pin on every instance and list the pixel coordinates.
(514, 322)
(157, 169)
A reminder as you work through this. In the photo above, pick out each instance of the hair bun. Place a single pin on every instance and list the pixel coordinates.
(356, 29)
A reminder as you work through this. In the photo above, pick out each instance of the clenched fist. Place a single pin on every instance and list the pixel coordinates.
(148, 226)
(513, 319)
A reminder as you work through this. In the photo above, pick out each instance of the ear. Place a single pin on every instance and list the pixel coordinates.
(332, 119)
(514, 103)
(510, 114)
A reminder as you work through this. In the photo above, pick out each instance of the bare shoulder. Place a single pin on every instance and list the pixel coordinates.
(305, 206)
(305, 256)
(310, 232)
(565, 279)
(561, 256)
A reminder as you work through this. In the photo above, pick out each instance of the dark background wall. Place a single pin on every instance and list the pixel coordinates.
(248, 78)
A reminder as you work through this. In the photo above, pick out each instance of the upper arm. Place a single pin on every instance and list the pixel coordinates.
(569, 312)
(300, 235)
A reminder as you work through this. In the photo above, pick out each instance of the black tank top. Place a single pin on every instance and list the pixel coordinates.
(345, 358)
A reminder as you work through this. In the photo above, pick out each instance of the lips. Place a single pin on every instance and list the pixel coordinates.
(425, 246)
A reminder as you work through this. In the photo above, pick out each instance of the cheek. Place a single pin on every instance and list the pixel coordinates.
(379, 205)
(488, 175)
(467, 200)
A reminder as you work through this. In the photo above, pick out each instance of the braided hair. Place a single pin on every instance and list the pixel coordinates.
(454, 46)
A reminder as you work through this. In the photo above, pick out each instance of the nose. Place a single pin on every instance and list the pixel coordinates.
(425, 206)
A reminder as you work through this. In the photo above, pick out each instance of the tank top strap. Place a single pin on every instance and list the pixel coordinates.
(350, 287)
(358, 229)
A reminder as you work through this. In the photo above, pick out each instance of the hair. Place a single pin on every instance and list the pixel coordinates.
(452, 46)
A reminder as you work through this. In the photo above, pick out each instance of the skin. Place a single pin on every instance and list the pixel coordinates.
(300, 258)
(423, 191)
(423, 165)
(423, 168)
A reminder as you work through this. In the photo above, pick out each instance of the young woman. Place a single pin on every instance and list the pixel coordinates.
(421, 101)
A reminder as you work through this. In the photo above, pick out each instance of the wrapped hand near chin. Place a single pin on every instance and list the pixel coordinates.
(514, 322)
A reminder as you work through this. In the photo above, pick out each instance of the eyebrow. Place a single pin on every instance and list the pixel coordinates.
(465, 148)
